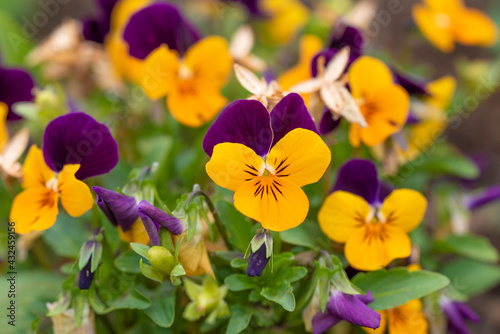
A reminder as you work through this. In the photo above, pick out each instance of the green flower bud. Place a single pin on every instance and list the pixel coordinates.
(161, 259)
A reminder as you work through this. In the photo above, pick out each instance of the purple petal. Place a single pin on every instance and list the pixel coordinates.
(327, 123)
(245, 122)
(157, 24)
(86, 276)
(15, 86)
(367, 298)
(344, 35)
(412, 119)
(328, 55)
(257, 262)
(96, 29)
(269, 75)
(487, 196)
(359, 176)
(412, 85)
(150, 214)
(77, 138)
(322, 322)
(384, 190)
(456, 319)
(290, 113)
(467, 312)
(121, 210)
(400, 139)
(353, 310)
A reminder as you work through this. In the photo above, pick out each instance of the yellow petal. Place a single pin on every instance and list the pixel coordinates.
(448, 6)
(341, 214)
(287, 17)
(435, 26)
(76, 197)
(137, 233)
(301, 157)
(126, 66)
(210, 60)
(4, 135)
(34, 209)
(441, 91)
(160, 72)
(274, 202)
(367, 75)
(375, 245)
(193, 103)
(473, 27)
(193, 255)
(404, 208)
(122, 12)
(385, 110)
(408, 318)
(354, 135)
(35, 171)
(383, 324)
(231, 165)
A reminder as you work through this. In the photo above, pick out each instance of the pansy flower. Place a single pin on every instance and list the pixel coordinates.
(285, 18)
(383, 104)
(446, 22)
(369, 218)
(265, 158)
(15, 86)
(192, 83)
(457, 313)
(36, 207)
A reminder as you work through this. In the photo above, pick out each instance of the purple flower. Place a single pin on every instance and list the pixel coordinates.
(121, 210)
(359, 177)
(157, 24)
(483, 198)
(96, 29)
(327, 123)
(153, 218)
(86, 276)
(411, 85)
(77, 138)
(457, 313)
(249, 123)
(351, 308)
(15, 86)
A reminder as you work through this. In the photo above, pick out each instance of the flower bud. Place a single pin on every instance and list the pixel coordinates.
(261, 249)
(161, 259)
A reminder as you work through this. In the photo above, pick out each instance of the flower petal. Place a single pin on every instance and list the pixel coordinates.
(353, 310)
(301, 157)
(289, 114)
(77, 138)
(367, 75)
(245, 122)
(411, 85)
(441, 91)
(408, 318)
(404, 208)
(159, 74)
(173, 224)
(327, 123)
(359, 177)
(121, 210)
(473, 27)
(15, 86)
(35, 171)
(76, 197)
(345, 35)
(34, 209)
(157, 24)
(375, 245)
(435, 26)
(342, 214)
(234, 164)
(323, 321)
(274, 202)
(4, 134)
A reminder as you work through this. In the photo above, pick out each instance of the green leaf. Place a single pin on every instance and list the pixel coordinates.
(238, 263)
(63, 240)
(140, 249)
(240, 318)
(340, 279)
(150, 273)
(472, 246)
(84, 256)
(472, 277)
(449, 161)
(96, 257)
(240, 282)
(308, 234)
(395, 287)
(282, 293)
(237, 225)
(291, 274)
(132, 299)
(178, 270)
(162, 310)
(128, 262)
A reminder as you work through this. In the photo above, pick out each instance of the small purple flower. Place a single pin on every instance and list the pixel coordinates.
(153, 218)
(457, 313)
(261, 249)
(483, 198)
(249, 123)
(96, 29)
(77, 138)
(157, 24)
(86, 276)
(15, 86)
(121, 210)
(351, 308)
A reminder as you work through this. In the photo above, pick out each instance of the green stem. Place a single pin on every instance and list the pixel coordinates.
(215, 214)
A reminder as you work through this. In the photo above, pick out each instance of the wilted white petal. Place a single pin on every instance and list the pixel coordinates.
(332, 97)
(242, 42)
(309, 86)
(337, 65)
(16, 146)
(249, 80)
(362, 14)
(252, 62)
(351, 111)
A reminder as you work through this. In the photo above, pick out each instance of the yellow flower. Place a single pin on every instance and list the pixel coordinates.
(309, 46)
(137, 233)
(383, 104)
(126, 66)
(444, 22)
(432, 117)
(192, 84)
(4, 135)
(269, 190)
(35, 208)
(373, 235)
(287, 17)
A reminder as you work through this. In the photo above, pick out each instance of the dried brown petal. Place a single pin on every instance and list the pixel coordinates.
(249, 80)
(351, 111)
(337, 65)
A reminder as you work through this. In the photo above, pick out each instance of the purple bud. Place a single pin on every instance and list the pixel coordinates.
(257, 261)
(487, 196)
(457, 313)
(121, 210)
(86, 276)
(153, 218)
